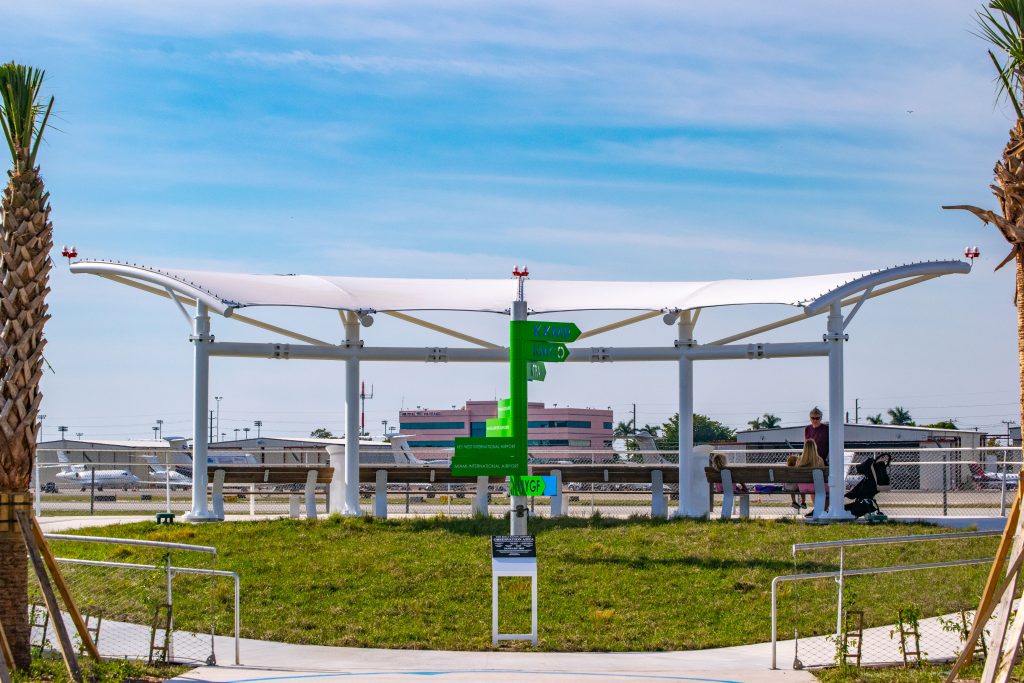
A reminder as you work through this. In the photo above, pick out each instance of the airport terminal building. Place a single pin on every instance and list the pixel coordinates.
(557, 427)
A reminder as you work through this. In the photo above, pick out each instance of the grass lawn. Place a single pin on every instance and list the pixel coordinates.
(917, 674)
(605, 584)
(114, 671)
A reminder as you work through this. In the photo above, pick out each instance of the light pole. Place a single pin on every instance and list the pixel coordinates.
(236, 433)
(246, 430)
(385, 423)
(217, 399)
(79, 435)
(63, 432)
(155, 428)
(39, 436)
(259, 425)
(160, 429)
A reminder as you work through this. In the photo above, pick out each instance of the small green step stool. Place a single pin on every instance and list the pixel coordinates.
(165, 518)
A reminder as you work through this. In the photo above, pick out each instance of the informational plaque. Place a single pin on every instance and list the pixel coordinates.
(513, 546)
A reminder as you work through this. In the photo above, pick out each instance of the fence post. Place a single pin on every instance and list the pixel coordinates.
(556, 500)
(380, 495)
(1002, 483)
(252, 499)
(945, 483)
(92, 492)
(167, 485)
(39, 490)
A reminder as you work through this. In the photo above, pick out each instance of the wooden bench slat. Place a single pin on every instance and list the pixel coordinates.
(766, 474)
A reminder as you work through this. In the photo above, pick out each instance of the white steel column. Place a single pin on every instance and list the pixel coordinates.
(836, 415)
(685, 414)
(518, 510)
(350, 506)
(201, 340)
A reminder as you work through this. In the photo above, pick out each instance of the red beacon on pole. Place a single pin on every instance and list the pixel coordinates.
(525, 272)
(972, 253)
(69, 252)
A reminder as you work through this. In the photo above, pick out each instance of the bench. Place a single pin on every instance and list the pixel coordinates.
(307, 475)
(732, 475)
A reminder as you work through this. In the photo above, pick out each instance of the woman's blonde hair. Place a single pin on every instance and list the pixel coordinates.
(791, 461)
(809, 457)
(717, 461)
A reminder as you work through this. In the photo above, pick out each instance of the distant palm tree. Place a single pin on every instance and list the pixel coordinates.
(898, 415)
(624, 429)
(26, 238)
(875, 419)
(755, 423)
(651, 429)
(769, 421)
(1002, 25)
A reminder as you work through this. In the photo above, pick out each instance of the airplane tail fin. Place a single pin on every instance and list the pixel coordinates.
(403, 452)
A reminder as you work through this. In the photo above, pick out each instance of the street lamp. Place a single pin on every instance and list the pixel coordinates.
(79, 435)
(160, 429)
(63, 432)
(246, 430)
(155, 428)
(259, 424)
(217, 399)
(385, 423)
(236, 433)
(39, 436)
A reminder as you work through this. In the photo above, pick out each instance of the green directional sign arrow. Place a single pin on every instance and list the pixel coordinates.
(551, 352)
(540, 330)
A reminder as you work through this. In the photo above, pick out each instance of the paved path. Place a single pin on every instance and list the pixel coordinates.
(284, 663)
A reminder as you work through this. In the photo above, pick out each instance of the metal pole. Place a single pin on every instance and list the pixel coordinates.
(839, 607)
(685, 415)
(350, 496)
(517, 366)
(92, 492)
(836, 428)
(945, 483)
(39, 489)
(201, 341)
(167, 484)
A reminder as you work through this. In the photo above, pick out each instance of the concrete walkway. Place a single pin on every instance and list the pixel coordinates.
(280, 662)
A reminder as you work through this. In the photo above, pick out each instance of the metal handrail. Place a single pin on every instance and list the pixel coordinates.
(857, 572)
(132, 541)
(882, 540)
(179, 570)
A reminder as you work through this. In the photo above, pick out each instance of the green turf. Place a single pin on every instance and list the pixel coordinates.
(925, 673)
(605, 585)
(114, 671)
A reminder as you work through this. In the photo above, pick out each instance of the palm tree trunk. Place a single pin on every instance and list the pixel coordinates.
(14, 596)
(1020, 328)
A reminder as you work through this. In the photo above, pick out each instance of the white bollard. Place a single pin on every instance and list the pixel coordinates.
(659, 506)
(380, 495)
(481, 498)
(557, 500)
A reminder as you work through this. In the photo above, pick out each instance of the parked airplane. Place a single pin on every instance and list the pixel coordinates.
(167, 475)
(404, 455)
(80, 475)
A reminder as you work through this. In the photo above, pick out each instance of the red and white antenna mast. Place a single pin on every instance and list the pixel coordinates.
(363, 397)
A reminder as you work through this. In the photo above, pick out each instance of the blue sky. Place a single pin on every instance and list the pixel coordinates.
(641, 140)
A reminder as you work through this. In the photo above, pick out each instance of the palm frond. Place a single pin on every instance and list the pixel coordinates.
(1001, 23)
(21, 111)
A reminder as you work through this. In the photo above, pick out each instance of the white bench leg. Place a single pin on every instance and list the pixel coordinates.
(311, 494)
(659, 507)
(744, 505)
(556, 500)
(293, 505)
(380, 495)
(218, 494)
(819, 494)
(728, 497)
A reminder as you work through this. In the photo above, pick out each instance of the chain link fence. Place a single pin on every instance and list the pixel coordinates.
(894, 602)
(926, 482)
(149, 601)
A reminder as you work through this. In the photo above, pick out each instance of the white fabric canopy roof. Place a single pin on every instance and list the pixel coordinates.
(224, 292)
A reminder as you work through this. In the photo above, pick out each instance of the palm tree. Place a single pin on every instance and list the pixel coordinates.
(755, 423)
(1002, 25)
(624, 429)
(875, 419)
(26, 238)
(769, 421)
(651, 429)
(898, 415)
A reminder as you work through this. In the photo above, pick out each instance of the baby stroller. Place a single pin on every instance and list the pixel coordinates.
(874, 478)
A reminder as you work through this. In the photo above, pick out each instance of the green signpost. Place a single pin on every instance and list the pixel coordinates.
(503, 452)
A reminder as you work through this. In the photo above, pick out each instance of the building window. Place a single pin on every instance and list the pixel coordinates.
(478, 429)
(608, 425)
(574, 443)
(432, 444)
(558, 424)
(417, 426)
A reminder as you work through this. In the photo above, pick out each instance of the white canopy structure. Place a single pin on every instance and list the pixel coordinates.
(357, 298)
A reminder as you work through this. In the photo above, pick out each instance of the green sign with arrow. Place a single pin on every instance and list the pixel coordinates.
(549, 352)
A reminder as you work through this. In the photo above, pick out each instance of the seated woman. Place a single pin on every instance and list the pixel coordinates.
(809, 458)
(797, 503)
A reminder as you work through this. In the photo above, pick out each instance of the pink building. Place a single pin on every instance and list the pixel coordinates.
(556, 428)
